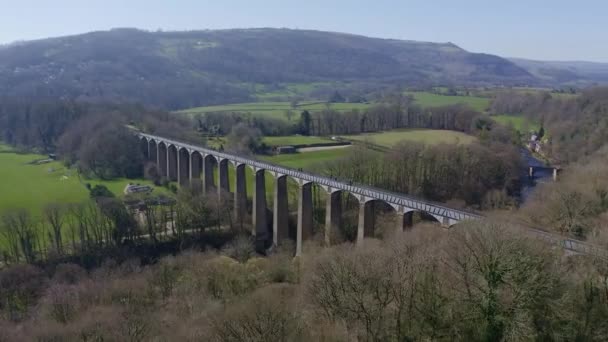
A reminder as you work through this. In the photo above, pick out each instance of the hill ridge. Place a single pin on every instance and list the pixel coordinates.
(179, 69)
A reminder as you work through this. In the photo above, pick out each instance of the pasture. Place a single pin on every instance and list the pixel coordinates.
(288, 90)
(275, 110)
(307, 160)
(426, 136)
(520, 123)
(32, 187)
(426, 99)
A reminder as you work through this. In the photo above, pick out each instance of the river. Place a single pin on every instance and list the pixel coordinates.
(541, 175)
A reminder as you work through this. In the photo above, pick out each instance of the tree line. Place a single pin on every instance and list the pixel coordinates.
(397, 112)
(483, 282)
(576, 125)
(91, 229)
(92, 137)
(486, 177)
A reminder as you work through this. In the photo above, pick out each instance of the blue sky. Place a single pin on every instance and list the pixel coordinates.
(539, 29)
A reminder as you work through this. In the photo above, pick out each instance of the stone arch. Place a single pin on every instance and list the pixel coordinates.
(162, 159)
(153, 150)
(144, 147)
(209, 166)
(183, 166)
(223, 177)
(172, 162)
(341, 216)
(371, 211)
(196, 167)
(413, 216)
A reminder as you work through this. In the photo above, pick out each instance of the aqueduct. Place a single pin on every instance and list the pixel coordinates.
(183, 163)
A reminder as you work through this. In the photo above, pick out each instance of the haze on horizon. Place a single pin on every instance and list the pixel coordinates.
(543, 30)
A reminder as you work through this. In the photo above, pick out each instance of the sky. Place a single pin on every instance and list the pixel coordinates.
(535, 29)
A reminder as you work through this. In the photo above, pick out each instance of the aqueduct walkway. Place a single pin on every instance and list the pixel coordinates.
(184, 162)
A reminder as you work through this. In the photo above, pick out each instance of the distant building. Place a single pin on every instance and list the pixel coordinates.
(285, 149)
(137, 188)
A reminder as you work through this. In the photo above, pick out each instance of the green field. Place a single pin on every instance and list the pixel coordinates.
(426, 136)
(264, 93)
(518, 122)
(34, 186)
(307, 160)
(274, 110)
(426, 99)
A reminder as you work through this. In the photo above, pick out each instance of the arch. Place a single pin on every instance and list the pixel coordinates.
(341, 216)
(371, 211)
(413, 216)
(162, 159)
(172, 162)
(209, 165)
(183, 166)
(145, 148)
(153, 151)
(196, 170)
(223, 177)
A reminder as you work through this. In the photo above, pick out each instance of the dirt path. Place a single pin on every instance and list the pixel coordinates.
(321, 148)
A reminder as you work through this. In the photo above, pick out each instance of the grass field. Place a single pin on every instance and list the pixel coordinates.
(34, 186)
(274, 110)
(426, 99)
(307, 160)
(287, 140)
(426, 136)
(518, 122)
(287, 90)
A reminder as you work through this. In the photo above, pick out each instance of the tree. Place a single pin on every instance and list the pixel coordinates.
(101, 145)
(100, 191)
(305, 122)
(336, 98)
(244, 139)
(289, 114)
(55, 217)
(504, 284)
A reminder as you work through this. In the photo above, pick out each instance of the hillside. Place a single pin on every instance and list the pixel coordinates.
(565, 73)
(188, 69)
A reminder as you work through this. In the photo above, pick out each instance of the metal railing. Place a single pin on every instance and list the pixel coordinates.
(379, 194)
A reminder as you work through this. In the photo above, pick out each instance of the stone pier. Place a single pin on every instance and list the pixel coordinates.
(365, 226)
(240, 194)
(172, 163)
(333, 215)
(260, 224)
(280, 222)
